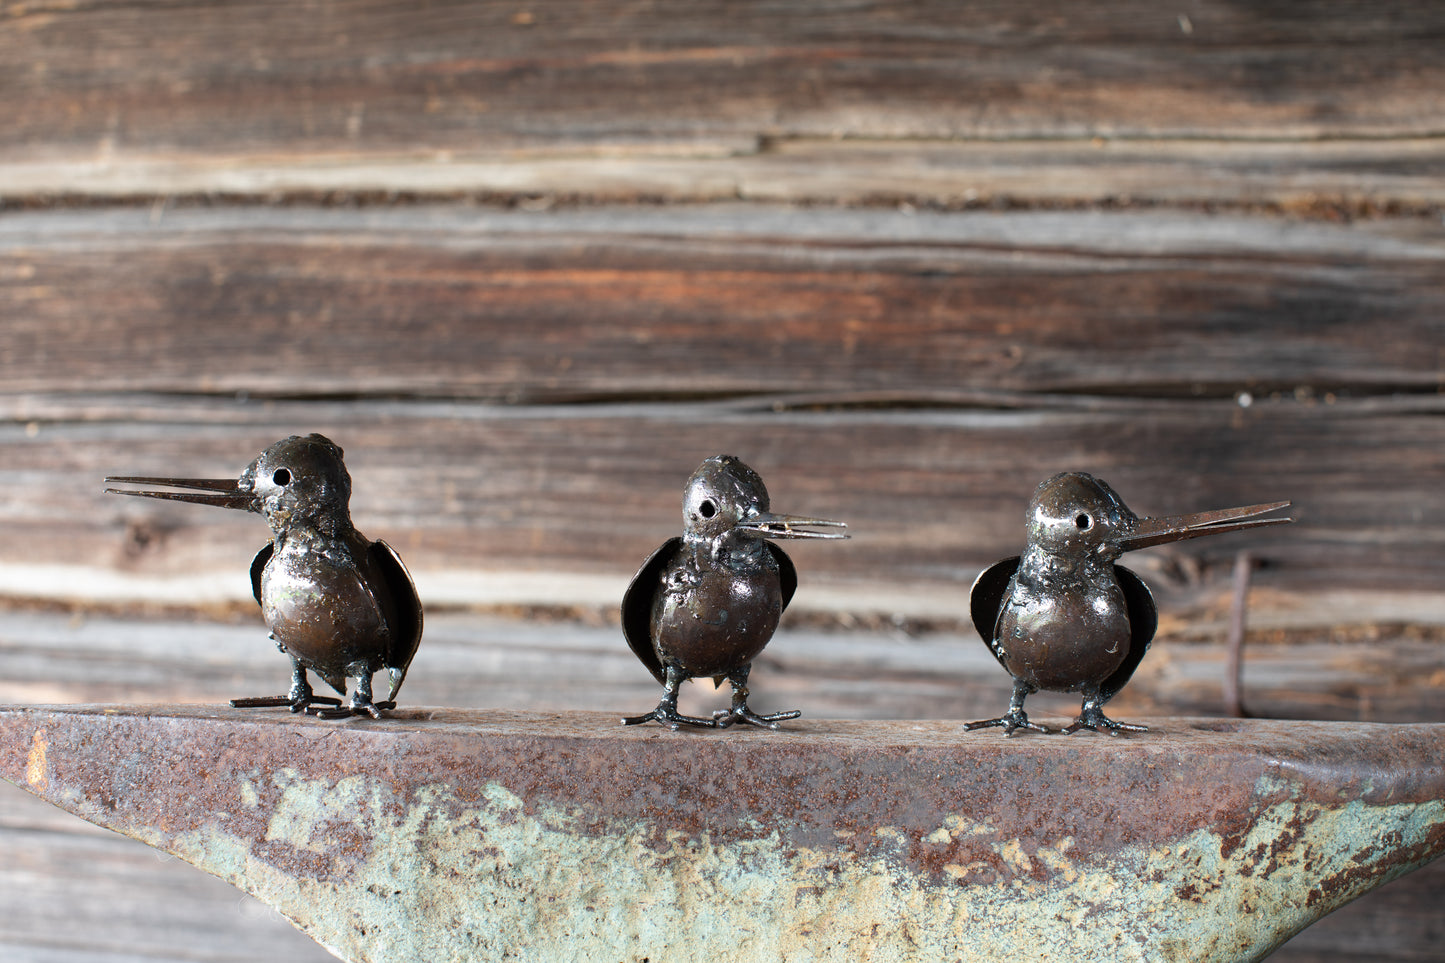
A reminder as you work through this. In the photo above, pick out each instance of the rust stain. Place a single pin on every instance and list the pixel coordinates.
(452, 834)
(517, 878)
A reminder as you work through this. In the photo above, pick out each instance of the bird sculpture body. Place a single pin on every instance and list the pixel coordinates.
(705, 604)
(336, 603)
(1063, 617)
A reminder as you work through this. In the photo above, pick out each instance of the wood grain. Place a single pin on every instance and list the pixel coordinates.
(527, 392)
(864, 307)
(877, 670)
(1332, 179)
(931, 496)
(306, 78)
(1325, 110)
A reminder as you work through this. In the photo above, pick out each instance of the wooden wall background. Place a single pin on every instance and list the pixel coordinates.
(529, 262)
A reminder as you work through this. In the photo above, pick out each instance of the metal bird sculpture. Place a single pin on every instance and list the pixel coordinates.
(705, 604)
(1063, 617)
(336, 603)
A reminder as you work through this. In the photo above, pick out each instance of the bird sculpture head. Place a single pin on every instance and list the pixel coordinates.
(1074, 514)
(300, 479)
(724, 497)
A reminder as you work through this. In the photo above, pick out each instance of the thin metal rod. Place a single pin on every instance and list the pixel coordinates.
(1234, 663)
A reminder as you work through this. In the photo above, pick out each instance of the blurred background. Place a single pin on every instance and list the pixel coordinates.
(528, 263)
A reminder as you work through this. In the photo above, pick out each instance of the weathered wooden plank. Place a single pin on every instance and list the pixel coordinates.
(874, 307)
(1384, 673)
(914, 375)
(560, 503)
(1297, 177)
(308, 78)
(1332, 178)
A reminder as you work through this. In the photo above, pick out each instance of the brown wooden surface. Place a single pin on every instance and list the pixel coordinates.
(932, 497)
(527, 392)
(529, 263)
(1297, 106)
(375, 76)
(1331, 178)
(617, 304)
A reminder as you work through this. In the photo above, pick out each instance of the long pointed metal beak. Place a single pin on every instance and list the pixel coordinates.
(770, 525)
(1173, 528)
(222, 492)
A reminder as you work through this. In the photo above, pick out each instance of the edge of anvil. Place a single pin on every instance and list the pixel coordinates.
(1304, 816)
(122, 766)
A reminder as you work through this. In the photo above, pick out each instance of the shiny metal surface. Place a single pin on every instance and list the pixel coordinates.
(705, 604)
(337, 603)
(1063, 616)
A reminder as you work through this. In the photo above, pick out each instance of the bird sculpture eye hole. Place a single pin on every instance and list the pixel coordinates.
(707, 509)
(282, 477)
(1083, 522)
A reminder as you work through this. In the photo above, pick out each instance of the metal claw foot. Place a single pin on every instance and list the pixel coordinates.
(1010, 723)
(723, 718)
(739, 712)
(371, 710)
(1092, 717)
(669, 717)
(666, 713)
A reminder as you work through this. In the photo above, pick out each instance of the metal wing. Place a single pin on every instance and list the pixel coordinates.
(405, 613)
(1143, 623)
(986, 598)
(787, 573)
(258, 568)
(637, 606)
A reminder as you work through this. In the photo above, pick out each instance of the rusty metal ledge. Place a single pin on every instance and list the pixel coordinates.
(452, 834)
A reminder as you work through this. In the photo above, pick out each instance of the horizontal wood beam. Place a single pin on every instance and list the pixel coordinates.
(1311, 178)
(871, 669)
(931, 496)
(524, 393)
(865, 307)
(261, 77)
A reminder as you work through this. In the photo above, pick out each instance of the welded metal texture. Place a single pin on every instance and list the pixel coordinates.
(705, 604)
(336, 603)
(454, 834)
(1063, 617)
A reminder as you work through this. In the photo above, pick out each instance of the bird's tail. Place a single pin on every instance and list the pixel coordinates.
(398, 676)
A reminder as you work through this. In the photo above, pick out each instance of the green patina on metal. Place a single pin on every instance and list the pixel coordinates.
(406, 856)
(503, 883)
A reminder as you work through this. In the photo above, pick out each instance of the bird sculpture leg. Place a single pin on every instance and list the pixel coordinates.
(360, 703)
(666, 712)
(740, 711)
(299, 699)
(1091, 716)
(1015, 718)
